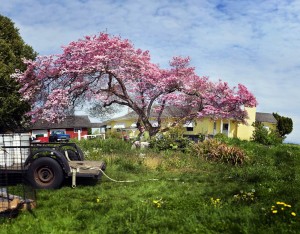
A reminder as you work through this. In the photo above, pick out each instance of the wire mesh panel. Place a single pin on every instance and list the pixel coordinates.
(15, 193)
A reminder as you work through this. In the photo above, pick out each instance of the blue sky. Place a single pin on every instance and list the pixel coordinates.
(253, 42)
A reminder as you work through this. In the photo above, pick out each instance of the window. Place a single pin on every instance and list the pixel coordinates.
(225, 127)
(119, 125)
(266, 127)
(77, 129)
(189, 125)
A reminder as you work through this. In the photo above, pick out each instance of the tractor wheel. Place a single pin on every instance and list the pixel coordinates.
(45, 173)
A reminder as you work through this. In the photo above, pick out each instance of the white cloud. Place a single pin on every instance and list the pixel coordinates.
(251, 42)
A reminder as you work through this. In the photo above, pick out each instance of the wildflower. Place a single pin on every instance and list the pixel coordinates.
(215, 202)
(274, 211)
(157, 203)
(98, 200)
(293, 214)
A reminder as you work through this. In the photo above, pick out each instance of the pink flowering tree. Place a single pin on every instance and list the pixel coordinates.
(109, 70)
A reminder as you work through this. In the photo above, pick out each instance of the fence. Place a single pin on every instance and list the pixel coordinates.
(101, 136)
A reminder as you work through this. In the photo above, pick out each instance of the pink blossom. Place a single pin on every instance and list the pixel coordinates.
(110, 70)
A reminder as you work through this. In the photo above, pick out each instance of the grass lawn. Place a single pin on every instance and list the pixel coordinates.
(174, 192)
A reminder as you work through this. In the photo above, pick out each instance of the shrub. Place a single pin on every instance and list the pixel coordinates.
(219, 152)
(230, 140)
(168, 143)
(114, 135)
(172, 140)
(284, 124)
(221, 137)
(266, 137)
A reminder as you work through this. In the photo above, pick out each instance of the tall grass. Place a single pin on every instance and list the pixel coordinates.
(174, 192)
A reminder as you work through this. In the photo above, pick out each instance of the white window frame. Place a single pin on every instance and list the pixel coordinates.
(77, 129)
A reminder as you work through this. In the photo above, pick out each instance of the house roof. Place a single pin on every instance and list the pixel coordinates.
(130, 115)
(168, 112)
(75, 121)
(265, 117)
(96, 125)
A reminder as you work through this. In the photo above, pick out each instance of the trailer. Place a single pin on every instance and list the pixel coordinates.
(45, 165)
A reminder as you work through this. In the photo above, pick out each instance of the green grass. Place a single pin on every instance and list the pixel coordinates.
(173, 192)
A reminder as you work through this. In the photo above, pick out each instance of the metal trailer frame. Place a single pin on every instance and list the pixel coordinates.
(46, 162)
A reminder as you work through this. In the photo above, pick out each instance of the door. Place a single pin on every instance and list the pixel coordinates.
(225, 129)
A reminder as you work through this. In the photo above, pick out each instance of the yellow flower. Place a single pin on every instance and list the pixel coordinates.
(157, 203)
(98, 200)
(274, 211)
(293, 213)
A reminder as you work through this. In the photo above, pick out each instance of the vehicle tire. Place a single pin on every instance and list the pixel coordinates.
(73, 156)
(45, 173)
(81, 154)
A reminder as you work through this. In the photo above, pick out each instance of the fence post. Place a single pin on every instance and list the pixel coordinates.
(79, 135)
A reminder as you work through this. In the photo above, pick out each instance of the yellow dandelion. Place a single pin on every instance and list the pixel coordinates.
(293, 214)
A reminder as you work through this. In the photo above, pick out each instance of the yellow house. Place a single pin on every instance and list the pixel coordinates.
(205, 126)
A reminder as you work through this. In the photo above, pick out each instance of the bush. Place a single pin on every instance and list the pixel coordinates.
(219, 152)
(169, 143)
(284, 124)
(114, 135)
(263, 136)
(172, 140)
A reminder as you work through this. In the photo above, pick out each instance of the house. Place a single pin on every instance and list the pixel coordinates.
(267, 119)
(125, 125)
(71, 125)
(203, 126)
